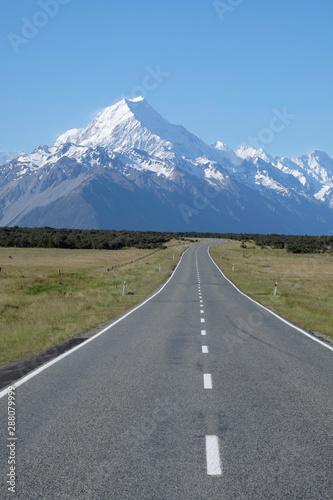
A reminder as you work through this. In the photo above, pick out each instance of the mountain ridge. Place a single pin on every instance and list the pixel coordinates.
(129, 148)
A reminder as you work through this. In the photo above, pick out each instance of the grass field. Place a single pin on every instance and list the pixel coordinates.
(50, 295)
(305, 282)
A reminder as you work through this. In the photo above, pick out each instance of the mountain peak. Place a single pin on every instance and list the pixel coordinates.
(220, 146)
(317, 153)
(318, 164)
(130, 156)
(134, 124)
(246, 152)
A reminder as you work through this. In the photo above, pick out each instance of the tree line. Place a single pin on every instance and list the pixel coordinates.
(47, 237)
(292, 243)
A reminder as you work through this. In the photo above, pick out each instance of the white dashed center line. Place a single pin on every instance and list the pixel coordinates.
(208, 381)
(214, 467)
(214, 463)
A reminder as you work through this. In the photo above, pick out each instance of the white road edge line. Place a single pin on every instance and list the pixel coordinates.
(214, 466)
(208, 384)
(67, 353)
(204, 349)
(202, 320)
(268, 310)
(203, 332)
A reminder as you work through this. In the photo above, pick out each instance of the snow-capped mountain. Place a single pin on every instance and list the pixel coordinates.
(134, 124)
(132, 169)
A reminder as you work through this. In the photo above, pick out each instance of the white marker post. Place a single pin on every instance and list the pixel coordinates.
(233, 267)
(124, 288)
(159, 268)
(275, 289)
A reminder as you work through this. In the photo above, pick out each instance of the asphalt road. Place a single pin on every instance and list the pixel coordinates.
(181, 400)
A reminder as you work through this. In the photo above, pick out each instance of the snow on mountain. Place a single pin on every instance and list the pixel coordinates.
(134, 124)
(131, 168)
(144, 140)
(226, 155)
(247, 152)
(258, 170)
(318, 165)
(318, 169)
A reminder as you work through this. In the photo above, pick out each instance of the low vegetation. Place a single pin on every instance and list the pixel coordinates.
(305, 281)
(50, 295)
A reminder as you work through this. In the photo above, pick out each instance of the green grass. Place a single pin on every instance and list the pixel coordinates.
(305, 282)
(40, 308)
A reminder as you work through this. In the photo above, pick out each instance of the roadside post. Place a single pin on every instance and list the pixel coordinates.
(275, 289)
(124, 288)
(233, 267)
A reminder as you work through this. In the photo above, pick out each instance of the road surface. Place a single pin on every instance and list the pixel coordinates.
(197, 394)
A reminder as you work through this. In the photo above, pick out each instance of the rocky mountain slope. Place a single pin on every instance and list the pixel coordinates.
(132, 169)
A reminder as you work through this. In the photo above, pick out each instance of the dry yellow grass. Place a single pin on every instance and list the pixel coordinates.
(305, 282)
(40, 308)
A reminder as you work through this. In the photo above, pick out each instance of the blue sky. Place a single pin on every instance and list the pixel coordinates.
(224, 69)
